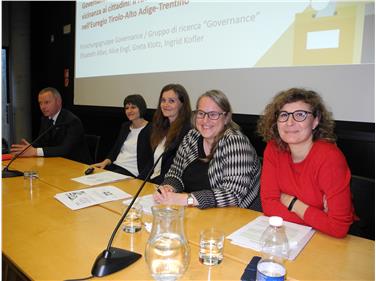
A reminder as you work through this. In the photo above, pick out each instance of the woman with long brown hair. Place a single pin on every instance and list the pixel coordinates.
(171, 122)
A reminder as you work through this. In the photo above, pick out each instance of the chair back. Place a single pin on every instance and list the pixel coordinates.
(93, 142)
(363, 196)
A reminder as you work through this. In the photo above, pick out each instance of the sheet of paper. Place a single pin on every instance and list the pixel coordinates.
(249, 235)
(146, 202)
(83, 198)
(100, 178)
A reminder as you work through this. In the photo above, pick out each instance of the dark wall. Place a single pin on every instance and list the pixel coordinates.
(51, 50)
(51, 57)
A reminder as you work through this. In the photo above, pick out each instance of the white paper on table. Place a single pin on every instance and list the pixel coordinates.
(83, 198)
(146, 202)
(249, 235)
(148, 226)
(100, 178)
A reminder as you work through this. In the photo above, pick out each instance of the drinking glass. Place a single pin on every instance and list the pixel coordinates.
(211, 246)
(31, 179)
(133, 220)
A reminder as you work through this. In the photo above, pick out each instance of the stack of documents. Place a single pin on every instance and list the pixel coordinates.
(83, 198)
(249, 235)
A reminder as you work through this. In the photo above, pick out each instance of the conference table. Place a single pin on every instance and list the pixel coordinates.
(45, 240)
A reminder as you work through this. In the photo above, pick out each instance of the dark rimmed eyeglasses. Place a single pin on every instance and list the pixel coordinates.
(213, 115)
(298, 115)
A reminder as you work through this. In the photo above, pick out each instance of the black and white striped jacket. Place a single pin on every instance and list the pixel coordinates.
(234, 170)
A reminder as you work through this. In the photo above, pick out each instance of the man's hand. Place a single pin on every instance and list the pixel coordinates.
(17, 148)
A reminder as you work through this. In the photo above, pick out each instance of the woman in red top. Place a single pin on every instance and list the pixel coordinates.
(305, 177)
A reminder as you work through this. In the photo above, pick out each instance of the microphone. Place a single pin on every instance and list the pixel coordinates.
(114, 259)
(7, 173)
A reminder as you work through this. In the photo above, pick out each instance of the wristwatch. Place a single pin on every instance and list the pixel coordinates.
(190, 200)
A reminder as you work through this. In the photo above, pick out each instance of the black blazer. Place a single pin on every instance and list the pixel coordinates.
(66, 140)
(144, 152)
(168, 156)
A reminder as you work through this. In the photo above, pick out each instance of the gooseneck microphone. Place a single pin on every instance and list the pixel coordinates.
(7, 173)
(114, 259)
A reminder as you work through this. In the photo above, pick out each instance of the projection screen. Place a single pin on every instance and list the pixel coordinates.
(249, 49)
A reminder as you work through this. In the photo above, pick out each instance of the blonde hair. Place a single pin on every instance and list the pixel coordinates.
(222, 101)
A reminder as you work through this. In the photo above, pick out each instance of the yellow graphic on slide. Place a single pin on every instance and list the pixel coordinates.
(329, 36)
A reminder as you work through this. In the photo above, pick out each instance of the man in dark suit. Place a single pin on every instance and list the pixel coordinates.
(66, 139)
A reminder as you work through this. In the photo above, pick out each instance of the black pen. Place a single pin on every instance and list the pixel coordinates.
(159, 189)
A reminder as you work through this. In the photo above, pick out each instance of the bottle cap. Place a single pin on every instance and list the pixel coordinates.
(275, 221)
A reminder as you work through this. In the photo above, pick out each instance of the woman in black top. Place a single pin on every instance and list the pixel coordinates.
(171, 122)
(131, 152)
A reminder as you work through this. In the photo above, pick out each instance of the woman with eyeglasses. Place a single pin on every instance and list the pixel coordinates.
(216, 165)
(305, 177)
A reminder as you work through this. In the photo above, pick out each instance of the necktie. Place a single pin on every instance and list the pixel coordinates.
(50, 122)
(50, 134)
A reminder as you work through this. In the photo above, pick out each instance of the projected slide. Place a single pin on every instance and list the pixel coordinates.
(248, 49)
(138, 36)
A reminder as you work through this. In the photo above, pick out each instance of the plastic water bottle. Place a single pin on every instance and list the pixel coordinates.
(275, 249)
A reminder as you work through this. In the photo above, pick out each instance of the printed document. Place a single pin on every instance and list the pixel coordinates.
(83, 198)
(146, 202)
(249, 236)
(101, 178)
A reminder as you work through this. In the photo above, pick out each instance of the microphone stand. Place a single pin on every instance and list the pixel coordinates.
(6, 172)
(114, 259)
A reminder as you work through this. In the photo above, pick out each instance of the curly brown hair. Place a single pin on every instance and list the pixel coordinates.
(267, 124)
